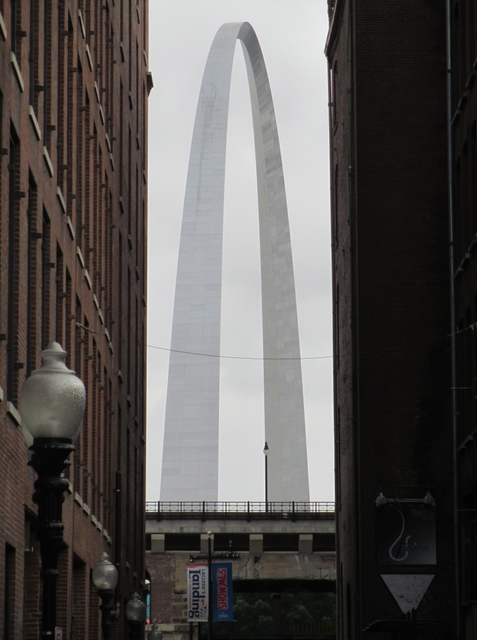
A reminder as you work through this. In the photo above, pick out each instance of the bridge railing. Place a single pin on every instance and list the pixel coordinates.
(206, 510)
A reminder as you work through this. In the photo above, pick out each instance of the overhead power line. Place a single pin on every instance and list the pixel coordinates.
(222, 357)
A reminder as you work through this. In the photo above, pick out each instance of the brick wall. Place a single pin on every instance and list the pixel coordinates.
(391, 293)
(71, 230)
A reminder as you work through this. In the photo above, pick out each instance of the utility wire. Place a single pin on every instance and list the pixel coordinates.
(211, 355)
(472, 327)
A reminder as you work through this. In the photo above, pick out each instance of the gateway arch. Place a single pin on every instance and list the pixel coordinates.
(191, 438)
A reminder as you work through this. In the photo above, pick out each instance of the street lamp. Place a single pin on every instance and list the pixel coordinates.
(154, 633)
(105, 579)
(52, 406)
(210, 611)
(266, 451)
(135, 615)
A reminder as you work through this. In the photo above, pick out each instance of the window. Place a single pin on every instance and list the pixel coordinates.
(47, 63)
(333, 97)
(60, 105)
(8, 593)
(13, 261)
(78, 594)
(80, 147)
(33, 52)
(45, 280)
(14, 16)
(60, 296)
(32, 297)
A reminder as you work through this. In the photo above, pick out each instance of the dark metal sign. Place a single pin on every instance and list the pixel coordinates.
(406, 534)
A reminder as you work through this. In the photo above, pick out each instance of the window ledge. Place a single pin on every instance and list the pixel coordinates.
(3, 28)
(34, 121)
(49, 165)
(61, 199)
(81, 21)
(88, 55)
(18, 73)
(13, 413)
(88, 279)
(69, 224)
(80, 257)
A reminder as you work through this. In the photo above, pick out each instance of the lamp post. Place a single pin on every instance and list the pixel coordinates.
(135, 615)
(52, 405)
(105, 579)
(210, 610)
(154, 633)
(266, 451)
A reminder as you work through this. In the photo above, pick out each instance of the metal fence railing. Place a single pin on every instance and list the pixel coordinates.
(206, 510)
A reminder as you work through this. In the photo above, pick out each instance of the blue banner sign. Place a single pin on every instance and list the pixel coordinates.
(222, 592)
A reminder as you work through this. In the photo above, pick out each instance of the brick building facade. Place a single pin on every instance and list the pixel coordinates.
(74, 84)
(463, 138)
(393, 331)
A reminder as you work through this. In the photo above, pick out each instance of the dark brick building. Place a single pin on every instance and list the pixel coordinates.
(463, 212)
(394, 331)
(74, 84)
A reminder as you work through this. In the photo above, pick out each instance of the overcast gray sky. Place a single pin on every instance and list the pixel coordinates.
(292, 36)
